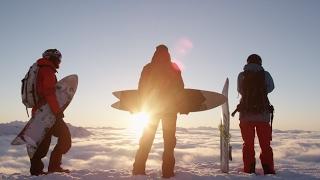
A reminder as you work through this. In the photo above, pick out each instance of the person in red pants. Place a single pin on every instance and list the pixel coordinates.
(159, 85)
(45, 87)
(254, 84)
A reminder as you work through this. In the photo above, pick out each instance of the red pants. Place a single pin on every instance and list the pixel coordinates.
(146, 141)
(264, 133)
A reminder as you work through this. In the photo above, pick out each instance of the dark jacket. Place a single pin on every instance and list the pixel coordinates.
(263, 117)
(160, 85)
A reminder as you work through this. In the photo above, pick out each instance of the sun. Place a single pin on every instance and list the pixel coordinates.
(138, 122)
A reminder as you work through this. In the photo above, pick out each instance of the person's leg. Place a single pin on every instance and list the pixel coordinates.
(169, 137)
(248, 154)
(37, 165)
(145, 144)
(264, 133)
(61, 131)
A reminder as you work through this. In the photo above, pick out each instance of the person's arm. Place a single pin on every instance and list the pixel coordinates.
(180, 81)
(269, 82)
(239, 83)
(142, 80)
(49, 90)
(144, 85)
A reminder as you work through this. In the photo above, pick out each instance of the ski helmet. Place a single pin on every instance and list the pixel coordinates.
(52, 53)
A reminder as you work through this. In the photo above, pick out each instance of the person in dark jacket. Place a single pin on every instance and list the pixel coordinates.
(46, 91)
(159, 86)
(259, 122)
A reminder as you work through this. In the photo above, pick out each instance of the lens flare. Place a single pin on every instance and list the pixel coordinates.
(179, 64)
(181, 49)
(183, 46)
(138, 122)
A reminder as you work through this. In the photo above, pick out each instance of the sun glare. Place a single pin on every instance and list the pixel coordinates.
(138, 123)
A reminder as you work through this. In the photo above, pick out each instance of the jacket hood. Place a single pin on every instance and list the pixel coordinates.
(161, 56)
(46, 62)
(253, 67)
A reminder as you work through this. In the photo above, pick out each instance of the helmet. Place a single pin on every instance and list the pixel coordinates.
(52, 53)
(254, 58)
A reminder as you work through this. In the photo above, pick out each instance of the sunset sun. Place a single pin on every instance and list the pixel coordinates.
(138, 122)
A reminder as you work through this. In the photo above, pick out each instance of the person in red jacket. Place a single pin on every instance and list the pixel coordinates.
(46, 82)
(159, 86)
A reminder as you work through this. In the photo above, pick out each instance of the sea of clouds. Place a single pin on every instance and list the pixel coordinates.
(108, 153)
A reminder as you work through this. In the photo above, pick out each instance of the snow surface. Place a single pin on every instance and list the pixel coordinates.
(108, 153)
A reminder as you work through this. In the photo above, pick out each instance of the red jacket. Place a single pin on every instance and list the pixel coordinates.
(46, 82)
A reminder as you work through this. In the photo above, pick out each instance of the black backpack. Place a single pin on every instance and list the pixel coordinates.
(254, 94)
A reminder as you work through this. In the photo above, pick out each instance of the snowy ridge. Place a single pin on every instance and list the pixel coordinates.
(109, 153)
(14, 127)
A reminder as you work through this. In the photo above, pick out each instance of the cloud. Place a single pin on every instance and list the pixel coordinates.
(109, 153)
(310, 156)
(14, 127)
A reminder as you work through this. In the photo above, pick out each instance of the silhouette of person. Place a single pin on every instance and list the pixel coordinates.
(159, 86)
(254, 83)
(45, 83)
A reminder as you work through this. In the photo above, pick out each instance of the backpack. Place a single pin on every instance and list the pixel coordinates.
(28, 88)
(254, 95)
(254, 92)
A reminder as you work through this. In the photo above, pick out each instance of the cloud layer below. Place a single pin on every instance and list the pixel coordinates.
(108, 153)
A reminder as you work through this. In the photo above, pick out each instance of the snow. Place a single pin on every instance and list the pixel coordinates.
(108, 153)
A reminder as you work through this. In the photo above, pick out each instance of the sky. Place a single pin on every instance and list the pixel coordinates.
(107, 43)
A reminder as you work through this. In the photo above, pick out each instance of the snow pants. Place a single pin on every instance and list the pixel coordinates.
(61, 131)
(264, 133)
(146, 141)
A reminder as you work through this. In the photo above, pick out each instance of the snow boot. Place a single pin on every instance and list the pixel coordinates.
(58, 169)
(252, 169)
(38, 173)
(267, 169)
(36, 167)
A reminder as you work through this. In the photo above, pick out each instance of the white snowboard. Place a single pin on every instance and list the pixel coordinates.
(35, 130)
(225, 148)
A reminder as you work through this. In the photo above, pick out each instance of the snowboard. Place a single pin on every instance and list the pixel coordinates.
(225, 148)
(190, 100)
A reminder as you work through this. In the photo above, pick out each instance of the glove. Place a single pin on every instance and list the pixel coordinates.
(59, 116)
(184, 112)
